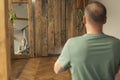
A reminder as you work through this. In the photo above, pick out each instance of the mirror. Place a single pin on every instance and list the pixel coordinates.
(20, 25)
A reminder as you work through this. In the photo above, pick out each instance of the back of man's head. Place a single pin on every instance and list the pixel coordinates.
(95, 12)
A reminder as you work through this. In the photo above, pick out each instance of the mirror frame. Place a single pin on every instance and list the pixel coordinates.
(30, 30)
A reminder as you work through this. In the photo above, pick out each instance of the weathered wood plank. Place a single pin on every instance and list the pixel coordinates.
(10, 41)
(68, 17)
(44, 24)
(63, 23)
(38, 13)
(4, 44)
(57, 18)
(30, 70)
(51, 26)
(74, 30)
(10, 33)
(41, 27)
(30, 28)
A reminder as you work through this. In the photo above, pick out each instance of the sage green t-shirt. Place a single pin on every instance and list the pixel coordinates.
(22, 47)
(91, 57)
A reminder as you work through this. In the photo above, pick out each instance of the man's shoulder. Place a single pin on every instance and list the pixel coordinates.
(77, 38)
(74, 40)
(113, 38)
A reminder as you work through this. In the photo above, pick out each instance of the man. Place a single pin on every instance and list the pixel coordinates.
(93, 56)
(23, 48)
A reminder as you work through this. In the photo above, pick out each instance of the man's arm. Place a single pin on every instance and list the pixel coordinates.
(57, 67)
(63, 62)
(20, 51)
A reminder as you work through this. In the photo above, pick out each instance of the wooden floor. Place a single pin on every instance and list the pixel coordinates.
(36, 69)
(39, 69)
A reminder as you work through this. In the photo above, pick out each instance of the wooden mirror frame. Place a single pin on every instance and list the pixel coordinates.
(30, 30)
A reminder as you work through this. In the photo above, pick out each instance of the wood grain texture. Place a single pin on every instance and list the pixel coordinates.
(69, 4)
(30, 28)
(73, 25)
(44, 28)
(10, 32)
(41, 27)
(37, 69)
(63, 22)
(57, 18)
(17, 66)
(4, 44)
(32, 65)
(56, 21)
(38, 13)
(51, 25)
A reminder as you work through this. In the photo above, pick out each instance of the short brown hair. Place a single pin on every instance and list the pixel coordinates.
(96, 12)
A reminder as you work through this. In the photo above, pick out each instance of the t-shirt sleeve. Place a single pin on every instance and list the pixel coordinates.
(19, 48)
(119, 52)
(64, 58)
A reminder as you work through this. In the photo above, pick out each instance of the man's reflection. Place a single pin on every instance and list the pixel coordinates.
(23, 48)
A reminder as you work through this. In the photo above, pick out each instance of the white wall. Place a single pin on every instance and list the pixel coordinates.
(112, 27)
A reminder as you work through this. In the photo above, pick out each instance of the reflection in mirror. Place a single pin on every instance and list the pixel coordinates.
(20, 9)
(21, 44)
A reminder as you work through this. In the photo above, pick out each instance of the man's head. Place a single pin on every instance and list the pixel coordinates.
(23, 41)
(95, 13)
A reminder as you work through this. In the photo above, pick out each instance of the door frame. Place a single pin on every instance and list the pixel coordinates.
(4, 44)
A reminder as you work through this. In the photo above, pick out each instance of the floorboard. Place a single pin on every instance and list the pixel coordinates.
(37, 69)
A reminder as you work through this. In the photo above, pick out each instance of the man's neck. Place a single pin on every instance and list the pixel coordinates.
(94, 29)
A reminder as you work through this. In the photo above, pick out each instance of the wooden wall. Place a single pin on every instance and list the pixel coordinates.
(4, 45)
(56, 21)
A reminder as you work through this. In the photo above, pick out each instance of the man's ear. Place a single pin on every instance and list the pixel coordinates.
(84, 19)
(105, 21)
